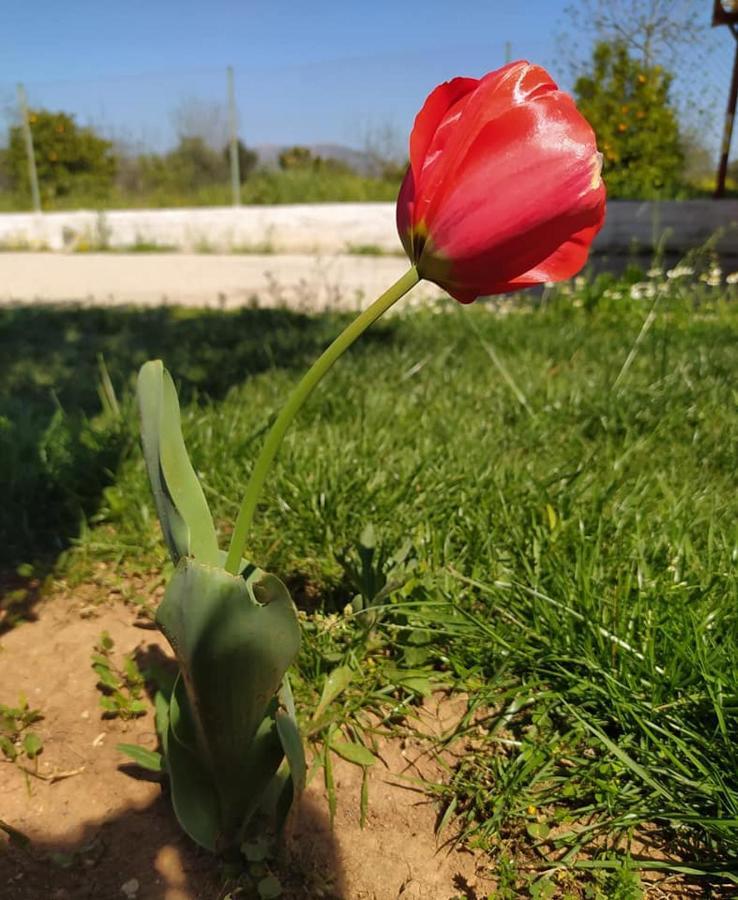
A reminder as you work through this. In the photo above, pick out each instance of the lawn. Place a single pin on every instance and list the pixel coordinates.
(531, 504)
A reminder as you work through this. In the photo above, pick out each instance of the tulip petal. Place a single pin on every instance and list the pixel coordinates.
(512, 85)
(431, 115)
(404, 211)
(526, 187)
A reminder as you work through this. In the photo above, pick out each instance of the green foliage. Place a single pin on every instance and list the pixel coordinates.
(627, 103)
(542, 536)
(122, 688)
(69, 158)
(296, 158)
(16, 740)
(192, 165)
(301, 159)
(247, 160)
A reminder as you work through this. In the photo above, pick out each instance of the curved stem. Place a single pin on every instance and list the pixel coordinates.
(297, 398)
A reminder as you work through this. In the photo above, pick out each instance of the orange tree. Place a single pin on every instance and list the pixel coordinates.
(69, 158)
(627, 103)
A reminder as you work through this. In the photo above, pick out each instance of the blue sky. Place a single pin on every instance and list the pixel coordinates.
(323, 71)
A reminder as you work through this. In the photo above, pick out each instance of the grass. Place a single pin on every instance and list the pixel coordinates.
(552, 494)
(263, 187)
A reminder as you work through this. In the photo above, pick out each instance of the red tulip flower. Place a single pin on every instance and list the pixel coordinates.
(503, 189)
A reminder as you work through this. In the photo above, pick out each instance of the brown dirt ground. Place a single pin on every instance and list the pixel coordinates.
(115, 828)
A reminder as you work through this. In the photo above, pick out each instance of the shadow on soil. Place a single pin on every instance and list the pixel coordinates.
(146, 845)
(67, 376)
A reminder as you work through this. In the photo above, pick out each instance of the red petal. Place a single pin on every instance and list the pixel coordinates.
(439, 101)
(404, 212)
(526, 186)
(496, 93)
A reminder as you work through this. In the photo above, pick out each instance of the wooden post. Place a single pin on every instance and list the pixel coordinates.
(233, 128)
(26, 126)
(729, 122)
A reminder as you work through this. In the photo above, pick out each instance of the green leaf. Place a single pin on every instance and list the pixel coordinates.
(255, 851)
(539, 831)
(364, 797)
(180, 502)
(161, 718)
(289, 737)
(353, 753)
(234, 639)
(335, 683)
(330, 785)
(269, 888)
(194, 798)
(106, 642)
(32, 744)
(147, 759)
(106, 677)
(8, 747)
(447, 815)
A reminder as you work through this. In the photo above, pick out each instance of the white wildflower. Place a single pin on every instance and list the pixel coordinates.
(679, 272)
(732, 278)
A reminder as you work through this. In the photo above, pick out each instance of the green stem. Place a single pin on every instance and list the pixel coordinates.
(299, 395)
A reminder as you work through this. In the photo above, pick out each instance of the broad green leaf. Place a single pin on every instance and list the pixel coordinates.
(147, 759)
(180, 503)
(194, 798)
(353, 753)
(234, 639)
(260, 765)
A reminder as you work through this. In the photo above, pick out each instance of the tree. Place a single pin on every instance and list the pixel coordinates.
(192, 164)
(675, 34)
(296, 158)
(247, 159)
(68, 157)
(627, 103)
(653, 31)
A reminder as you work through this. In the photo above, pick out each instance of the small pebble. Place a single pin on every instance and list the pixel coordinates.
(130, 888)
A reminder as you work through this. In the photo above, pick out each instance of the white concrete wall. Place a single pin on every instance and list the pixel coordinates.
(337, 227)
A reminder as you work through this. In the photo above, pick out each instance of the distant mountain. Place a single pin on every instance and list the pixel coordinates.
(358, 160)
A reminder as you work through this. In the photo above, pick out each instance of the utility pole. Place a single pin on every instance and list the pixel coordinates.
(508, 52)
(726, 13)
(233, 128)
(26, 126)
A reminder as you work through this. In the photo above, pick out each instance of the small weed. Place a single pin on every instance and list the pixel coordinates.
(371, 250)
(203, 245)
(141, 245)
(121, 688)
(263, 248)
(17, 742)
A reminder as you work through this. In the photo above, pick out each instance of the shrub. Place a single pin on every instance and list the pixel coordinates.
(68, 158)
(627, 103)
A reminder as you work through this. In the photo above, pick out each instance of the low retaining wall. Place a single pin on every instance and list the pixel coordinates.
(338, 228)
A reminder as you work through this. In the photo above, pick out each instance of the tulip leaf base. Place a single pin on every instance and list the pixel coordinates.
(228, 731)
